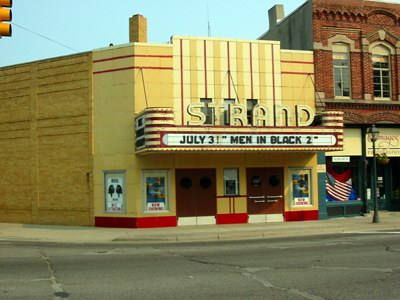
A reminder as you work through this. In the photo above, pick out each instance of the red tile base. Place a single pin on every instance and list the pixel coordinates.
(306, 215)
(146, 222)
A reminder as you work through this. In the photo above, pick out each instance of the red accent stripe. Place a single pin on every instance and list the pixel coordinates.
(160, 118)
(130, 56)
(273, 83)
(205, 68)
(164, 125)
(132, 68)
(297, 62)
(305, 215)
(251, 70)
(229, 72)
(182, 102)
(232, 218)
(297, 73)
(205, 131)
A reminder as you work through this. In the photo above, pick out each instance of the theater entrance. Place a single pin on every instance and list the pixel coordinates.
(265, 194)
(196, 196)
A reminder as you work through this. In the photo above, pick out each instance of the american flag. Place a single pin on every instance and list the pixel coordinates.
(339, 188)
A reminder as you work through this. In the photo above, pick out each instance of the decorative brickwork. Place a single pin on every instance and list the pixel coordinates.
(361, 24)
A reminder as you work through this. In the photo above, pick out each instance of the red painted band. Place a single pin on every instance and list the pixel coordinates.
(205, 69)
(181, 61)
(297, 62)
(131, 56)
(251, 72)
(132, 68)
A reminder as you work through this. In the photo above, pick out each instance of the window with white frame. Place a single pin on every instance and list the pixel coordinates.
(381, 72)
(341, 69)
(155, 193)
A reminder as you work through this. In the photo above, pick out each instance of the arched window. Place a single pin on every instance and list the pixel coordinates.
(341, 70)
(381, 69)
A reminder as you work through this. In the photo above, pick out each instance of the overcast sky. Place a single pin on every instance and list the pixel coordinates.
(90, 24)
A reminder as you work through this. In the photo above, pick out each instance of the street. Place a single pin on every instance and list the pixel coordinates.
(351, 266)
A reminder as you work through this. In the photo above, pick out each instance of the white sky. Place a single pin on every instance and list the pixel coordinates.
(85, 25)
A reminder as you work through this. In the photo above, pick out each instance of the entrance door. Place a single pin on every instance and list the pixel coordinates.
(196, 195)
(265, 192)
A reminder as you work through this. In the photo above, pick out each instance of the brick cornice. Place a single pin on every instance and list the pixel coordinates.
(358, 105)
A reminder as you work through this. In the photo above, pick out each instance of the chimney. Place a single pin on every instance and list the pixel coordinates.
(275, 15)
(138, 29)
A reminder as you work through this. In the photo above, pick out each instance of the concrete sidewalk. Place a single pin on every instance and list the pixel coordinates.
(390, 221)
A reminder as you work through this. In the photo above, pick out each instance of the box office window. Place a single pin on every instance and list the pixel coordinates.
(300, 187)
(155, 191)
(114, 191)
(231, 182)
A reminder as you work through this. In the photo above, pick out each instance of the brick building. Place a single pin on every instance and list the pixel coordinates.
(356, 45)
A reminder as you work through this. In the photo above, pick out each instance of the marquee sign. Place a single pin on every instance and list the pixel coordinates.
(247, 140)
(156, 131)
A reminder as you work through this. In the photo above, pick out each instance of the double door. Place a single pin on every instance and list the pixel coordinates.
(265, 190)
(195, 193)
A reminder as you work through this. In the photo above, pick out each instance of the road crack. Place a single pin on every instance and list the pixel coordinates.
(269, 285)
(59, 292)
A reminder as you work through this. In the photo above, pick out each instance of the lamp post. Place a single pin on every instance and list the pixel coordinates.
(373, 134)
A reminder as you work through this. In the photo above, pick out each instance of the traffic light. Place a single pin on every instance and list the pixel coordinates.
(5, 15)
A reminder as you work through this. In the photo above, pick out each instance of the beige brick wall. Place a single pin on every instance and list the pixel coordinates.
(45, 142)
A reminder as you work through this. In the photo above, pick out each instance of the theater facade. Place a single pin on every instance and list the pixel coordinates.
(196, 131)
(207, 131)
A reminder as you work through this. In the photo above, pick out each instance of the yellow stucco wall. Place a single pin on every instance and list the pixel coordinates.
(130, 78)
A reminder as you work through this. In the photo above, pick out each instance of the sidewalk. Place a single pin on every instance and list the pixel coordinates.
(390, 221)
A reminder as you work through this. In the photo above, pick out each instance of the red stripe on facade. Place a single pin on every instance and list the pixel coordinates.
(205, 68)
(251, 71)
(248, 132)
(132, 56)
(159, 125)
(160, 118)
(305, 215)
(297, 62)
(232, 218)
(297, 73)
(147, 222)
(229, 71)
(133, 68)
(273, 83)
(181, 61)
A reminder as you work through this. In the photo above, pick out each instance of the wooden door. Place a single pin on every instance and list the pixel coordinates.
(265, 191)
(195, 192)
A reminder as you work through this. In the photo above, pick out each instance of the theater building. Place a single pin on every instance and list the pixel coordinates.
(196, 131)
(356, 46)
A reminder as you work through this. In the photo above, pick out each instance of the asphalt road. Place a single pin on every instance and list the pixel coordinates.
(332, 267)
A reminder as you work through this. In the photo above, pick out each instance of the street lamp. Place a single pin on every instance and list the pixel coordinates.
(373, 134)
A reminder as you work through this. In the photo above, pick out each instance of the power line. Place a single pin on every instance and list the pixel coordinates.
(45, 37)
